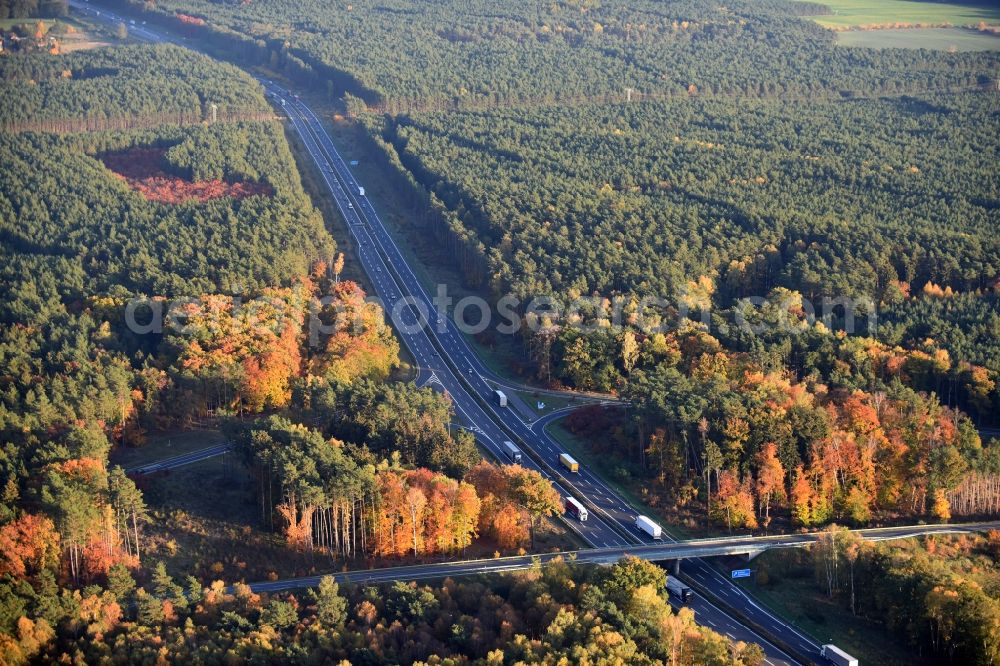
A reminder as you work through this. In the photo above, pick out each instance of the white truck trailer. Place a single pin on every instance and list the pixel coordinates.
(835, 655)
(501, 397)
(512, 451)
(649, 527)
(574, 508)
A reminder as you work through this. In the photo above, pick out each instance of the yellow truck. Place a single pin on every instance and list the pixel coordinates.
(566, 460)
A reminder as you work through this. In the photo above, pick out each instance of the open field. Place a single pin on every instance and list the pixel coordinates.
(938, 39)
(856, 13)
(79, 42)
(73, 35)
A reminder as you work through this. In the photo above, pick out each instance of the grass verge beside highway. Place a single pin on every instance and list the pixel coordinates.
(552, 403)
(787, 589)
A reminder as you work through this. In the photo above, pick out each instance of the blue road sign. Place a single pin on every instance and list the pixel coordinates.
(740, 573)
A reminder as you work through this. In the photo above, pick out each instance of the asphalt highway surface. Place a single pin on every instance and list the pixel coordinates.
(179, 460)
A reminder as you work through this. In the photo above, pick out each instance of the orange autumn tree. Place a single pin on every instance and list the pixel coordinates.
(360, 344)
(242, 355)
(390, 515)
(770, 478)
(266, 376)
(533, 493)
(513, 500)
(28, 544)
(422, 512)
(734, 501)
(452, 511)
(802, 498)
(87, 515)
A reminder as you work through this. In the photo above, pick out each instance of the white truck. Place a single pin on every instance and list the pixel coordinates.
(835, 655)
(361, 191)
(649, 527)
(501, 397)
(574, 508)
(512, 451)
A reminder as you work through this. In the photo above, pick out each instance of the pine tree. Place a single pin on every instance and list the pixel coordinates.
(120, 582)
(331, 608)
(150, 609)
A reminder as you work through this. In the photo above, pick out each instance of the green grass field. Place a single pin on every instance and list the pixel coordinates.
(938, 39)
(854, 13)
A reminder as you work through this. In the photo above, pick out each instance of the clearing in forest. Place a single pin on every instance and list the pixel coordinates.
(142, 169)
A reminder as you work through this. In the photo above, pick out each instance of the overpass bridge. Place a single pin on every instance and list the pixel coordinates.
(675, 552)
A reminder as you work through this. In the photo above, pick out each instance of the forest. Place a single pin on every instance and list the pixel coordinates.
(705, 154)
(562, 612)
(345, 500)
(936, 596)
(491, 54)
(126, 312)
(639, 198)
(79, 245)
(736, 439)
(676, 143)
(137, 85)
(890, 202)
(707, 203)
(17, 9)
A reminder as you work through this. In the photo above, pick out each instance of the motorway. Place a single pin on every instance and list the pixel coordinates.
(656, 553)
(454, 373)
(448, 364)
